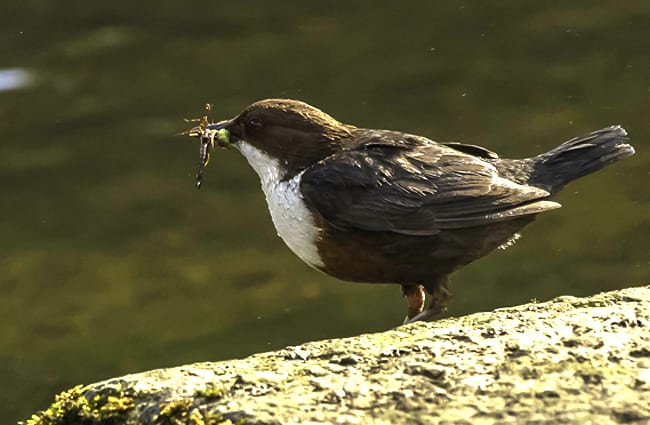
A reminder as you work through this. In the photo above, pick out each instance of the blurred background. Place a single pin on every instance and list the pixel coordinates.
(111, 262)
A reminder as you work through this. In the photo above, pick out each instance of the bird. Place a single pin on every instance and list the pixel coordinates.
(385, 206)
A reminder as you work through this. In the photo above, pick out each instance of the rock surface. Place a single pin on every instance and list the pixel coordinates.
(567, 361)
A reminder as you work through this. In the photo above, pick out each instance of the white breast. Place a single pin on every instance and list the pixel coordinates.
(291, 217)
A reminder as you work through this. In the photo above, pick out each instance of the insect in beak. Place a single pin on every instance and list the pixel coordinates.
(208, 134)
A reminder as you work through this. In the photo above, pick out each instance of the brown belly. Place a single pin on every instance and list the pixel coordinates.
(386, 257)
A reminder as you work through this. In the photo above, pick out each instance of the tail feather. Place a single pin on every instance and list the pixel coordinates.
(580, 156)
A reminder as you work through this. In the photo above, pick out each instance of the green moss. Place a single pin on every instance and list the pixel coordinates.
(115, 405)
(76, 406)
(211, 391)
(186, 412)
(178, 412)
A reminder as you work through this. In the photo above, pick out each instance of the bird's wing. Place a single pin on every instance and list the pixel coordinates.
(474, 150)
(414, 186)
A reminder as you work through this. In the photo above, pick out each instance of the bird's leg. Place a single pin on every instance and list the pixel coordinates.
(414, 295)
(440, 295)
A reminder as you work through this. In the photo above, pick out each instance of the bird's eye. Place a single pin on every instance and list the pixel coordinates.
(254, 122)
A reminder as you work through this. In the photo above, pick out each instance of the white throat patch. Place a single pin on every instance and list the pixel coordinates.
(291, 217)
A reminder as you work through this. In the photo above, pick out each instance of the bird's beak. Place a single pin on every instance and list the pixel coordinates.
(220, 132)
(219, 125)
(223, 133)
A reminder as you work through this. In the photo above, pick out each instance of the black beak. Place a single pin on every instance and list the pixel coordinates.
(234, 134)
(219, 125)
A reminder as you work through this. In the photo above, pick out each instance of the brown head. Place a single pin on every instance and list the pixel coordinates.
(296, 134)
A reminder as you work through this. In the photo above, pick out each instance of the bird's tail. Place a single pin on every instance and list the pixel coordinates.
(580, 156)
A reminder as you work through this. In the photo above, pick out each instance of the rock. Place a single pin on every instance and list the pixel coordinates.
(566, 361)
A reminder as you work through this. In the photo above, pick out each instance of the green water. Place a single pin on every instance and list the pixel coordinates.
(112, 262)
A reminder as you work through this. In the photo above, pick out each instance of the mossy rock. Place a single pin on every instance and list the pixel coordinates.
(569, 360)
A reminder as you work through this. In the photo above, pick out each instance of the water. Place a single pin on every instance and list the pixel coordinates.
(112, 262)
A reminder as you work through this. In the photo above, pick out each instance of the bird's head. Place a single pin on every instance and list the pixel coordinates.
(291, 132)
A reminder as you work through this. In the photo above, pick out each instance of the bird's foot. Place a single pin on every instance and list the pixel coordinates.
(414, 295)
(439, 299)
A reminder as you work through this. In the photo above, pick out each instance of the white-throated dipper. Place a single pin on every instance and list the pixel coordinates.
(389, 207)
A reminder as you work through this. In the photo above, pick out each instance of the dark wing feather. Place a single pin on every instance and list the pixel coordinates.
(472, 150)
(410, 185)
